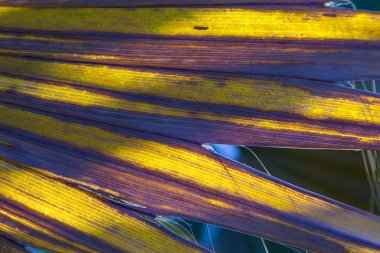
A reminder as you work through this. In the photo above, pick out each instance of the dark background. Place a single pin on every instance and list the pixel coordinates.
(367, 4)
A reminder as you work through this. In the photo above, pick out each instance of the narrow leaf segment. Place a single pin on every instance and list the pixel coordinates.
(202, 108)
(38, 211)
(176, 178)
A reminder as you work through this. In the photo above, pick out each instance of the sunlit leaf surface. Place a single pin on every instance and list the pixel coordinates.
(39, 211)
(205, 108)
(119, 100)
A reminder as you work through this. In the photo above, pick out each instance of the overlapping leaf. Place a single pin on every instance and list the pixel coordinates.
(8, 246)
(284, 40)
(139, 3)
(135, 132)
(205, 108)
(163, 175)
(38, 211)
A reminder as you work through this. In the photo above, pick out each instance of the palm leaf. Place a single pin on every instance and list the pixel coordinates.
(139, 3)
(163, 175)
(70, 117)
(38, 211)
(286, 40)
(205, 108)
(331, 60)
(8, 246)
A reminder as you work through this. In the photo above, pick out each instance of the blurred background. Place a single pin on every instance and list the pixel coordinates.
(367, 4)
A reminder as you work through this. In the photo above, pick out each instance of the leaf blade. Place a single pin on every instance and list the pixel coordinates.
(198, 22)
(207, 108)
(176, 178)
(41, 212)
(138, 3)
(310, 59)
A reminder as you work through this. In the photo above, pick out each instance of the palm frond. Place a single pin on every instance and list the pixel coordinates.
(100, 99)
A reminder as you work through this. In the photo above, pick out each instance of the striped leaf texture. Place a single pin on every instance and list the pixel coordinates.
(284, 40)
(201, 108)
(117, 97)
(40, 211)
(8, 246)
(140, 3)
(177, 178)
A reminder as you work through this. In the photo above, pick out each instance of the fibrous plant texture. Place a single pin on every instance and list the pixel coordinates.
(106, 108)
